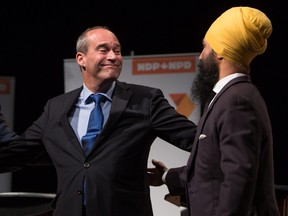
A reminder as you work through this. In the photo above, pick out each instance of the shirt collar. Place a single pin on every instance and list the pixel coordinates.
(222, 82)
(86, 92)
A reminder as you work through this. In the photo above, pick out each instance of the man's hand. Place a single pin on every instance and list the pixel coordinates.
(155, 174)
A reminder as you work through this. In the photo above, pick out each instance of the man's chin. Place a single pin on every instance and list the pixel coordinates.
(111, 73)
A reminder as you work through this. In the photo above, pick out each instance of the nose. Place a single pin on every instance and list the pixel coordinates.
(201, 56)
(111, 54)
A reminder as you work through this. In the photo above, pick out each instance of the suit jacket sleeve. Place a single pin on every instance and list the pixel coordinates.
(176, 180)
(16, 151)
(171, 126)
(6, 134)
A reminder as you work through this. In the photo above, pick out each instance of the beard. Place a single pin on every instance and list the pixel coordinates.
(205, 80)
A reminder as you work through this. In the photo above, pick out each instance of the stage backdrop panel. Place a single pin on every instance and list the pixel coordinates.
(173, 74)
(7, 92)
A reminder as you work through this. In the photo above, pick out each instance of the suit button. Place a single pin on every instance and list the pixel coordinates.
(86, 165)
(79, 192)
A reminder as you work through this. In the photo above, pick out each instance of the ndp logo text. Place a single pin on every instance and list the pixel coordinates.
(176, 64)
(166, 66)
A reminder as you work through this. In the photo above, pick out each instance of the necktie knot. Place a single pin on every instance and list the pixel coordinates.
(96, 98)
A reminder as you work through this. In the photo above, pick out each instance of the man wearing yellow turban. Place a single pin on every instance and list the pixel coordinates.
(230, 170)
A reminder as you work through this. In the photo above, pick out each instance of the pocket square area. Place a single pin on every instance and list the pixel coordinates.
(202, 136)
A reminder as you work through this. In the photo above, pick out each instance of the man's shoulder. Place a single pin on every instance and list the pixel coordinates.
(71, 94)
(134, 85)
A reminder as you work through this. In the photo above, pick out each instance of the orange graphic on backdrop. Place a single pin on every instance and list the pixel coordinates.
(5, 86)
(183, 103)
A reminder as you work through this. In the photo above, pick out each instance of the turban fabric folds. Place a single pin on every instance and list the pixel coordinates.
(239, 34)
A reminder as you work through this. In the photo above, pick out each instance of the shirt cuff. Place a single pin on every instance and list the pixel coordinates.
(164, 175)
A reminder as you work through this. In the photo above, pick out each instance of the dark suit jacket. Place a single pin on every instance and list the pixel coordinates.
(116, 168)
(6, 134)
(230, 169)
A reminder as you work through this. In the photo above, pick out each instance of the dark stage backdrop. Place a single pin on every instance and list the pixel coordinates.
(38, 35)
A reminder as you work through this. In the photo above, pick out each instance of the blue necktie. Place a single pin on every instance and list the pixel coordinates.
(95, 123)
(94, 127)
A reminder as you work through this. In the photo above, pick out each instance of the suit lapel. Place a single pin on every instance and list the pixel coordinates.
(69, 102)
(190, 163)
(120, 100)
(201, 123)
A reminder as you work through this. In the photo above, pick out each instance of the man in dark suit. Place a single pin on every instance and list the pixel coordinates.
(115, 170)
(6, 134)
(230, 169)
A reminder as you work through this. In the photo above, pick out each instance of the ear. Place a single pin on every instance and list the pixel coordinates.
(219, 57)
(80, 58)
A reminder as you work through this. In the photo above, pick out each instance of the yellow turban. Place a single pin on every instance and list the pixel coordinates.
(239, 34)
